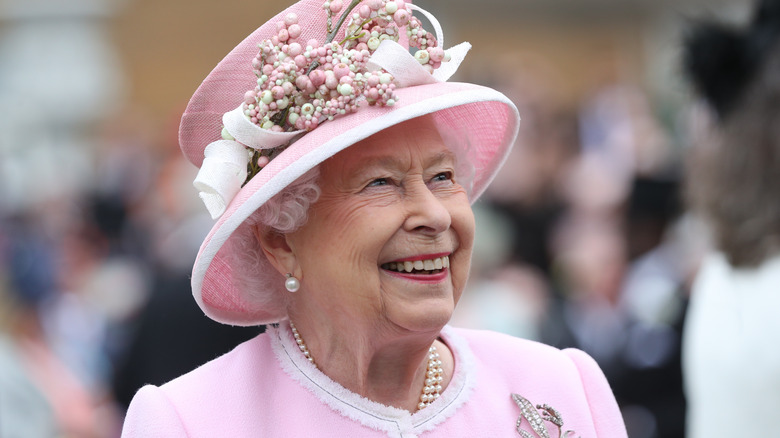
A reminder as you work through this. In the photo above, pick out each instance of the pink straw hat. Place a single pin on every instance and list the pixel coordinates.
(487, 118)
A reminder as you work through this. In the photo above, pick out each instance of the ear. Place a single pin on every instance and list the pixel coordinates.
(276, 249)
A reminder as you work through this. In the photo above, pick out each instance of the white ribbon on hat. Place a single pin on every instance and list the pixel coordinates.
(224, 167)
(248, 133)
(221, 174)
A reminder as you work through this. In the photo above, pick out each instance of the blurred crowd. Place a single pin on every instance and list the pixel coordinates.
(583, 241)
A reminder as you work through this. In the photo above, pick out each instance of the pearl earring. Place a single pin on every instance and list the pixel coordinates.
(291, 283)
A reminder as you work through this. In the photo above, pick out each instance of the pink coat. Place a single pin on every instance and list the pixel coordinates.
(266, 388)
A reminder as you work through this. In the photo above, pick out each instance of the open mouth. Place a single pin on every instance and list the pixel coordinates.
(419, 267)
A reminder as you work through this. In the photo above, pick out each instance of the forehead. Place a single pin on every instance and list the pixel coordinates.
(414, 138)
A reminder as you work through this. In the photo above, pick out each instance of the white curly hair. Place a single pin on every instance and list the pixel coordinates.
(284, 213)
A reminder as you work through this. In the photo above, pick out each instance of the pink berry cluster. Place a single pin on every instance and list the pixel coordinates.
(430, 55)
(300, 85)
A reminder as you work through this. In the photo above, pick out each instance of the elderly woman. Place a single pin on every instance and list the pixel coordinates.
(342, 184)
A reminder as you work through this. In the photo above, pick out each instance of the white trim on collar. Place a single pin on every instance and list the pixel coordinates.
(394, 421)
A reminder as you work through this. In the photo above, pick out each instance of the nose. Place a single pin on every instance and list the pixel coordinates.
(426, 213)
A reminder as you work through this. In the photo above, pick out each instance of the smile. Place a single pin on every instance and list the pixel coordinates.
(426, 267)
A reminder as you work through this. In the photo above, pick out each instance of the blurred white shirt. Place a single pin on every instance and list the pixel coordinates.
(731, 350)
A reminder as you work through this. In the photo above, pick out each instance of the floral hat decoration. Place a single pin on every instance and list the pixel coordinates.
(310, 82)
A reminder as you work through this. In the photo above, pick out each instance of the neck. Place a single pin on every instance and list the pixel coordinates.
(385, 368)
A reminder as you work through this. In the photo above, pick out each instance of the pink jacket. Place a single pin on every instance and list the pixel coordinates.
(266, 388)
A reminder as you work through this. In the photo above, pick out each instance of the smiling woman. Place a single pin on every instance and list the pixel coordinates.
(388, 199)
(343, 184)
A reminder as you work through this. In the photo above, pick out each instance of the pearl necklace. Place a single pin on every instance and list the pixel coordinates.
(434, 373)
(301, 344)
(433, 378)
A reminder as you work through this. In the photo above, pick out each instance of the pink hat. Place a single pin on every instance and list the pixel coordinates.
(218, 110)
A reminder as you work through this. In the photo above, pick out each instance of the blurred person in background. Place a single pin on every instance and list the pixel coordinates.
(509, 289)
(41, 392)
(527, 192)
(731, 358)
(618, 277)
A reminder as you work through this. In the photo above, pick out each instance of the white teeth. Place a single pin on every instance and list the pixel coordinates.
(419, 265)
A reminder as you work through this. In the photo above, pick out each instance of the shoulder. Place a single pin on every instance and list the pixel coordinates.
(717, 274)
(232, 366)
(152, 414)
(490, 344)
(523, 356)
(719, 289)
(568, 379)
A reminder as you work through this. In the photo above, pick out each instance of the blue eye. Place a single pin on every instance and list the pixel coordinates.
(444, 176)
(378, 182)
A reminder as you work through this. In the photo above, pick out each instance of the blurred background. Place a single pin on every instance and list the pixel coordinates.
(583, 240)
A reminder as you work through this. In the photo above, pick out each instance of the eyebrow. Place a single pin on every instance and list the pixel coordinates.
(393, 161)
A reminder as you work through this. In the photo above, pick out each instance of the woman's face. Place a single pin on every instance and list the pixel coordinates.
(389, 203)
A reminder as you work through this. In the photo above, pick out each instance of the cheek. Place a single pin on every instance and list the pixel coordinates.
(464, 227)
(347, 232)
(463, 222)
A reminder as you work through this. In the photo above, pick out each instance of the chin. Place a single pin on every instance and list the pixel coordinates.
(425, 318)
